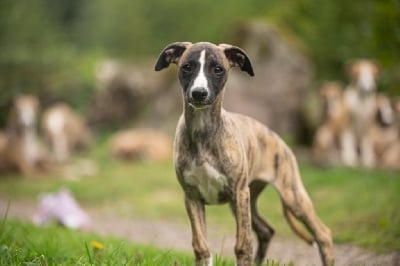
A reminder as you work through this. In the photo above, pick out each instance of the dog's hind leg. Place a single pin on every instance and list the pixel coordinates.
(262, 229)
(296, 201)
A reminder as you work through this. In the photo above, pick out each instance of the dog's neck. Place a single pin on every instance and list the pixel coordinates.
(362, 93)
(365, 83)
(19, 130)
(202, 124)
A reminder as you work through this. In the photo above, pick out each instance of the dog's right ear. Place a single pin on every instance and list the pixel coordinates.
(171, 54)
(237, 57)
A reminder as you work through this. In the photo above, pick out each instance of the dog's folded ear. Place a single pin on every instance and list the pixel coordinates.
(171, 54)
(237, 57)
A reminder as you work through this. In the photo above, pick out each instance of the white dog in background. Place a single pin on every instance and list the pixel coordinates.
(21, 149)
(330, 137)
(65, 131)
(360, 97)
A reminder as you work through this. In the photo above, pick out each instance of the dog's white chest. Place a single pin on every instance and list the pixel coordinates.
(209, 181)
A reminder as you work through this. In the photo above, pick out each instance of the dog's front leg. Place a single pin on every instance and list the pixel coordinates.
(196, 212)
(367, 152)
(241, 209)
(348, 145)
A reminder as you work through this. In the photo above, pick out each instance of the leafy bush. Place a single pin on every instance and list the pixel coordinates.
(53, 46)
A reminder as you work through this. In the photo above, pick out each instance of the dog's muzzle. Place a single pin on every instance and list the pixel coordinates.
(198, 98)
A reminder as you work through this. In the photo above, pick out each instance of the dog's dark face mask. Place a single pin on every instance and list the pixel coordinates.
(203, 69)
(202, 75)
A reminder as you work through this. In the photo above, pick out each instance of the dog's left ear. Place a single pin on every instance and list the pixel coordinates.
(237, 57)
(171, 54)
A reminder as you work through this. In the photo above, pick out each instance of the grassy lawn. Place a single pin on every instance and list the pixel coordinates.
(24, 244)
(360, 206)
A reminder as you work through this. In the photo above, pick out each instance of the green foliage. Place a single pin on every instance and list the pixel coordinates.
(337, 31)
(355, 202)
(25, 244)
(139, 28)
(46, 44)
(333, 31)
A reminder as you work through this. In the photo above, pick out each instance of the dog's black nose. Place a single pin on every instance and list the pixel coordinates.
(199, 94)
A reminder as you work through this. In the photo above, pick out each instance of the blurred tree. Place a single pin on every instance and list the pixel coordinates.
(337, 31)
(27, 36)
(53, 45)
(36, 52)
(140, 28)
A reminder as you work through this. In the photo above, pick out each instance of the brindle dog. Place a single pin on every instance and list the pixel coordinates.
(223, 157)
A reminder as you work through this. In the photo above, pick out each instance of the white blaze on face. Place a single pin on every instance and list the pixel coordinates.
(201, 79)
(366, 79)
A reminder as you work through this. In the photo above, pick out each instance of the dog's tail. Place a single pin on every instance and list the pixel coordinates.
(295, 227)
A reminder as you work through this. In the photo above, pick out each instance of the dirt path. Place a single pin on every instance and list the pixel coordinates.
(177, 236)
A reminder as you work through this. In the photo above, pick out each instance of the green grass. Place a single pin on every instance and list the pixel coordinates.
(360, 206)
(25, 244)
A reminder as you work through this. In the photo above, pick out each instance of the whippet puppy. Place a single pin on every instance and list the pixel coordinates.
(65, 131)
(360, 97)
(330, 137)
(23, 151)
(222, 157)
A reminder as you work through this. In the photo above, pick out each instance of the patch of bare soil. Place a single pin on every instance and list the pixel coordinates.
(170, 235)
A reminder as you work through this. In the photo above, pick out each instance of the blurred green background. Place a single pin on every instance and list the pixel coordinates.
(52, 46)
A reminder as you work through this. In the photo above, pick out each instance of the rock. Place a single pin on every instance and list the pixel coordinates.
(125, 91)
(283, 74)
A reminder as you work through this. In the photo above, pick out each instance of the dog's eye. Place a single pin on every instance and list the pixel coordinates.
(187, 68)
(218, 70)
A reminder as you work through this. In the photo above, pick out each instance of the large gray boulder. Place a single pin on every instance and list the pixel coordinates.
(283, 74)
(130, 93)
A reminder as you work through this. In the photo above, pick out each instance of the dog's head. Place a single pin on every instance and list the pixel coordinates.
(203, 68)
(24, 111)
(364, 74)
